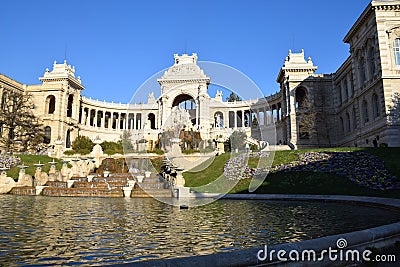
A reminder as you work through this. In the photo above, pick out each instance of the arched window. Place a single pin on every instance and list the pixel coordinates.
(396, 51)
(348, 124)
(375, 105)
(4, 100)
(69, 106)
(341, 125)
(47, 135)
(301, 97)
(152, 120)
(68, 139)
(354, 118)
(365, 111)
(50, 104)
(340, 95)
(372, 62)
(362, 70)
(346, 89)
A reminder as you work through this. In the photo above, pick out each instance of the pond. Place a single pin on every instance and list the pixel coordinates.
(91, 231)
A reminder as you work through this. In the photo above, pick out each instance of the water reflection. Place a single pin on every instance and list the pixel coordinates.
(45, 230)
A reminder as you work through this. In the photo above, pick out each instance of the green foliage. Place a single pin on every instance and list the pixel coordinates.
(233, 97)
(82, 145)
(157, 163)
(113, 165)
(209, 174)
(112, 148)
(30, 160)
(157, 151)
(70, 152)
(126, 141)
(301, 182)
(237, 139)
(190, 151)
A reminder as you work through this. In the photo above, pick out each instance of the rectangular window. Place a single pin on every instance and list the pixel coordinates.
(396, 50)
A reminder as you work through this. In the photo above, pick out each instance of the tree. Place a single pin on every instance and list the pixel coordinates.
(394, 110)
(233, 97)
(308, 121)
(126, 141)
(82, 145)
(22, 130)
(238, 139)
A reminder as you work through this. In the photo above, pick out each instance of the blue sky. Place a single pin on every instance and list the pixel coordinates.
(116, 45)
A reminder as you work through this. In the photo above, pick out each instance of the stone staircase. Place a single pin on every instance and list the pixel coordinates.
(100, 186)
(153, 186)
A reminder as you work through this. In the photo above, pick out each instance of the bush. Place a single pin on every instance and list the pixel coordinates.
(82, 145)
(70, 152)
(112, 148)
(190, 151)
(158, 151)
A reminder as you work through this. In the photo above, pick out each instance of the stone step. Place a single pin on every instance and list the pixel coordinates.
(100, 184)
(159, 193)
(82, 192)
(57, 184)
(153, 185)
(111, 179)
(23, 190)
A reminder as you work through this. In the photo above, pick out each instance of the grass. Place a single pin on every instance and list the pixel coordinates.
(209, 174)
(302, 182)
(30, 160)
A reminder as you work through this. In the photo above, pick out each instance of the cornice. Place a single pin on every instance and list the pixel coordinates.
(373, 6)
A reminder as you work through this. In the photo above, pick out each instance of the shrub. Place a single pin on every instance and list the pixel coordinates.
(158, 151)
(112, 148)
(82, 145)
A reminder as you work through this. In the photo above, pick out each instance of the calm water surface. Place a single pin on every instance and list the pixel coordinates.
(91, 231)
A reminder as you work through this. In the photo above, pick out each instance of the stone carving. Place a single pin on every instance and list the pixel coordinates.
(6, 183)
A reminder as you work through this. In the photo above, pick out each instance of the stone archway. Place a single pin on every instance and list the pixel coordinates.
(186, 102)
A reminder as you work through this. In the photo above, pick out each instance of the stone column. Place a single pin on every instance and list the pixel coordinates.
(103, 120)
(243, 118)
(235, 119)
(95, 118)
(197, 112)
(88, 117)
(82, 115)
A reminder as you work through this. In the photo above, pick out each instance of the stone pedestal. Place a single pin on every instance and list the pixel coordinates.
(41, 178)
(97, 152)
(58, 149)
(6, 183)
(128, 189)
(180, 181)
(220, 146)
(65, 171)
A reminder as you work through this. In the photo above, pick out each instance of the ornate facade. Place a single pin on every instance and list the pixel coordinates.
(351, 105)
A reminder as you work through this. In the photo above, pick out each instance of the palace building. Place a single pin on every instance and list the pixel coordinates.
(350, 107)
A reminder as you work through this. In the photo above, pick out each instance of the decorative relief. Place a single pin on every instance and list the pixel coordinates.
(183, 69)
